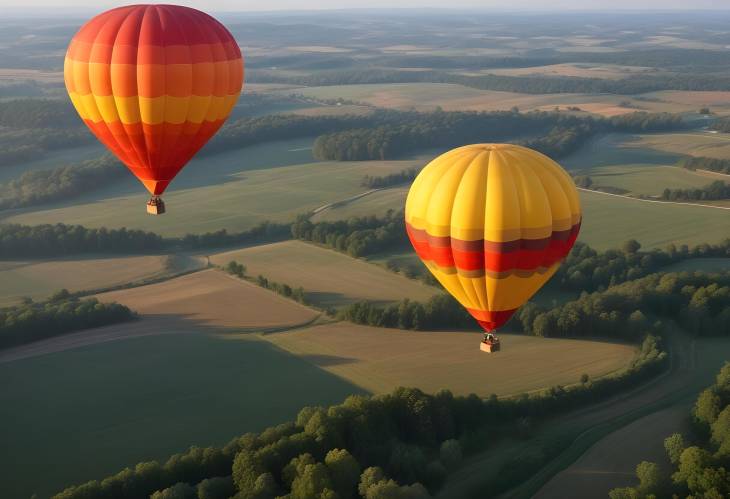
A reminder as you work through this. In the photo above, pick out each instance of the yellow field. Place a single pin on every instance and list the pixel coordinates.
(213, 299)
(381, 359)
(329, 278)
(453, 97)
(38, 279)
(578, 70)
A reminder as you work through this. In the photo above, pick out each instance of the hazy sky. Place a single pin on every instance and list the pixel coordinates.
(258, 5)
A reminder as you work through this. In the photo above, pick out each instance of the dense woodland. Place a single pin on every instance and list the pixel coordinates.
(698, 302)
(395, 446)
(533, 84)
(556, 134)
(25, 241)
(711, 164)
(61, 314)
(45, 186)
(712, 191)
(700, 465)
(586, 269)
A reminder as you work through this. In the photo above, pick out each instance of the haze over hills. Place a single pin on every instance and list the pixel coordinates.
(272, 316)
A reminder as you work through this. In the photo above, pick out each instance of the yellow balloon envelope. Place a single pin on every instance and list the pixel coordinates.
(492, 222)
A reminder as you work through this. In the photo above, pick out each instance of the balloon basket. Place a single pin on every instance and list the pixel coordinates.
(489, 346)
(155, 206)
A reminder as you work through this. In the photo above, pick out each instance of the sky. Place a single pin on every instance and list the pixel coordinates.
(258, 5)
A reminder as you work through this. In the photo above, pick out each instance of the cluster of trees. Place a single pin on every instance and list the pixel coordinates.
(61, 314)
(296, 294)
(44, 186)
(60, 239)
(401, 177)
(715, 190)
(585, 269)
(396, 446)
(699, 470)
(558, 133)
(239, 270)
(18, 145)
(699, 302)
(263, 232)
(721, 125)
(357, 236)
(439, 312)
(702, 163)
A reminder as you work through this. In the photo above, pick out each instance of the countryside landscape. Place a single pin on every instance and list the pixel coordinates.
(275, 334)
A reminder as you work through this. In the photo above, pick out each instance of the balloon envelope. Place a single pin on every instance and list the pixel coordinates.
(153, 83)
(492, 222)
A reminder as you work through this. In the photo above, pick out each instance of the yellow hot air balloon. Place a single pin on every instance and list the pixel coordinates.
(492, 222)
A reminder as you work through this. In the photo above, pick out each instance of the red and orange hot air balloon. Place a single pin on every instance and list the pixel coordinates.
(154, 83)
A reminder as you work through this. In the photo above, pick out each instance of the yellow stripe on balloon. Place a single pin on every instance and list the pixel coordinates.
(152, 111)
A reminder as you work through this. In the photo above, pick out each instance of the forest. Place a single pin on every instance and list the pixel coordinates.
(60, 314)
(700, 465)
(533, 84)
(556, 134)
(45, 186)
(400, 445)
(710, 164)
(698, 302)
(712, 191)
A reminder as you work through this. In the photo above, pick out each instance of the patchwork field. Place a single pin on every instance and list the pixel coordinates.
(379, 359)
(330, 279)
(454, 97)
(38, 279)
(649, 180)
(577, 70)
(214, 300)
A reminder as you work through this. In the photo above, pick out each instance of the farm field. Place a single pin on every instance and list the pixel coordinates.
(51, 160)
(236, 200)
(38, 279)
(578, 70)
(376, 203)
(329, 278)
(379, 360)
(454, 97)
(649, 180)
(712, 145)
(148, 398)
(214, 300)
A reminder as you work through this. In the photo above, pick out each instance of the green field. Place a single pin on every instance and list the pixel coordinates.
(147, 398)
(38, 279)
(254, 189)
(329, 278)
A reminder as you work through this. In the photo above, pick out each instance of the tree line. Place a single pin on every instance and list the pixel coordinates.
(698, 302)
(712, 191)
(533, 84)
(699, 467)
(357, 236)
(558, 133)
(44, 186)
(28, 144)
(62, 313)
(239, 270)
(405, 176)
(702, 163)
(720, 125)
(400, 445)
(586, 269)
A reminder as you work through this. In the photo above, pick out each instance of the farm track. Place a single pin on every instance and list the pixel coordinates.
(654, 201)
